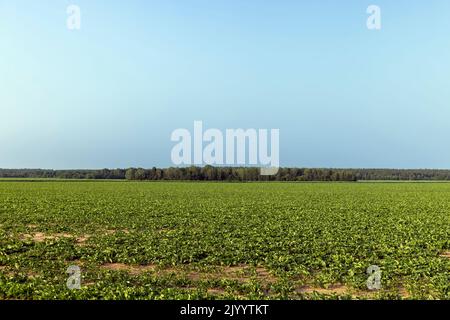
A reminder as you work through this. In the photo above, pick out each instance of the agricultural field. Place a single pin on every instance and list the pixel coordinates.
(173, 240)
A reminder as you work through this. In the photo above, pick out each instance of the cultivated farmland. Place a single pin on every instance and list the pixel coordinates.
(171, 240)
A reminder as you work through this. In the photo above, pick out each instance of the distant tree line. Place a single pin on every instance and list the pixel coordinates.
(63, 174)
(210, 173)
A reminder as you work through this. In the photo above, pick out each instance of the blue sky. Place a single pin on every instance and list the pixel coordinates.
(110, 94)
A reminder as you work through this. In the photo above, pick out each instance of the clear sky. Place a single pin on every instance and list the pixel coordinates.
(110, 94)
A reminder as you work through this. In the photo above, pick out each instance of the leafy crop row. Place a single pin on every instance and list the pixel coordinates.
(218, 240)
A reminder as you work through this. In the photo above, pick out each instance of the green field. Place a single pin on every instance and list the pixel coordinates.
(171, 240)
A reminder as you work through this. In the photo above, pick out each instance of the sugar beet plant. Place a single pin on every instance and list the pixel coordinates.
(171, 240)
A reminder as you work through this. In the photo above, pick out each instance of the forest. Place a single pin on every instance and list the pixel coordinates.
(210, 173)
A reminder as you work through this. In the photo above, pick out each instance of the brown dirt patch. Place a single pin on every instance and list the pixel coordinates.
(32, 275)
(4, 270)
(244, 273)
(340, 289)
(240, 273)
(29, 273)
(132, 269)
(337, 289)
(110, 232)
(215, 291)
(266, 275)
(87, 283)
(41, 237)
(82, 239)
(445, 254)
(403, 292)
